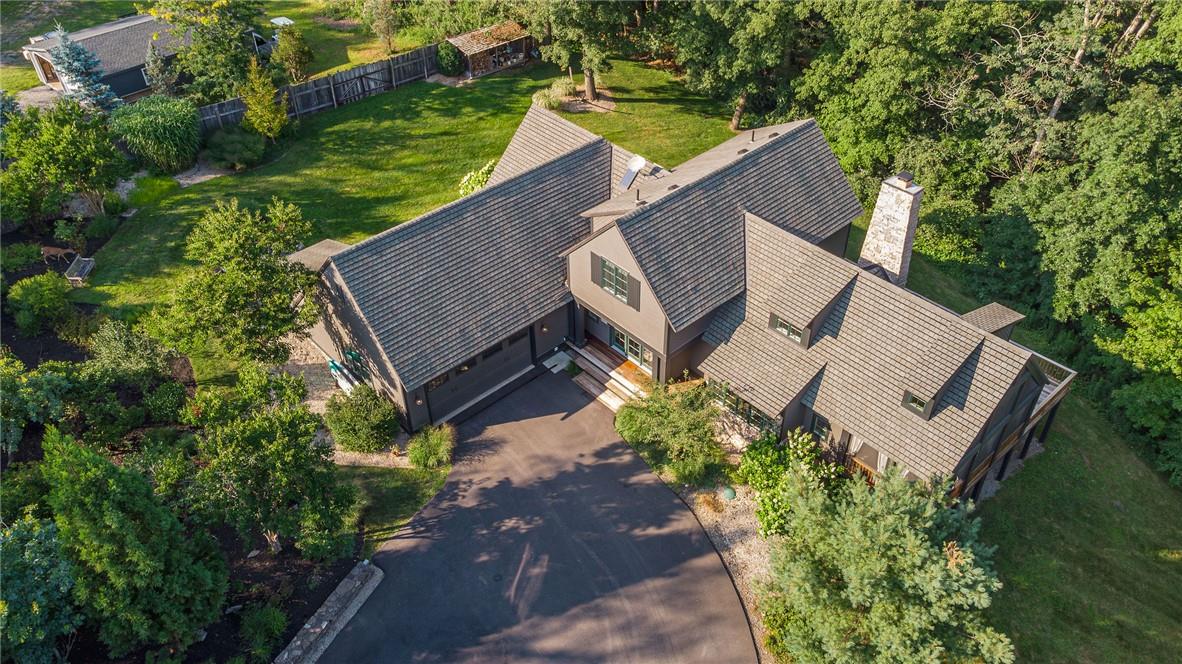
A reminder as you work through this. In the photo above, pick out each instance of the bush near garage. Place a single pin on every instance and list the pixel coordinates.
(432, 447)
(362, 421)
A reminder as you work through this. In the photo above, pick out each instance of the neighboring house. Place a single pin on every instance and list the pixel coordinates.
(729, 266)
(121, 47)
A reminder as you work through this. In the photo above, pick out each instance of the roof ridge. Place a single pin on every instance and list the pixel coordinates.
(690, 186)
(483, 191)
(855, 271)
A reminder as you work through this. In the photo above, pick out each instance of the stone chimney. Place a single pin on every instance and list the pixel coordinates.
(887, 248)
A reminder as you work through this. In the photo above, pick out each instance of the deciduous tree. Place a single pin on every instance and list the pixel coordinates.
(582, 34)
(244, 292)
(383, 19)
(266, 474)
(216, 49)
(37, 608)
(292, 53)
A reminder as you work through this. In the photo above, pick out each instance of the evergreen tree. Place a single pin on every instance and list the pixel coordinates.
(36, 607)
(266, 109)
(889, 573)
(81, 73)
(162, 76)
(137, 575)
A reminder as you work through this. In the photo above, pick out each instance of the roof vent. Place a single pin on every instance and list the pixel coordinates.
(743, 151)
(636, 163)
(673, 186)
(773, 134)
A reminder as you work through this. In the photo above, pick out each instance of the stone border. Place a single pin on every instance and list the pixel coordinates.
(332, 616)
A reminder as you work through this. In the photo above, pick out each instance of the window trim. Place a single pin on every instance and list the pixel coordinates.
(781, 326)
(613, 279)
(912, 401)
(827, 426)
(437, 382)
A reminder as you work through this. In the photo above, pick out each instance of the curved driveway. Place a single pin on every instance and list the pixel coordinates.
(550, 542)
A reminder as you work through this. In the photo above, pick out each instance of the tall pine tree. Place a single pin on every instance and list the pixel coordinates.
(81, 73)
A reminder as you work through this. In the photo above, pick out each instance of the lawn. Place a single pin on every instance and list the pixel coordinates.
(391, 496)
(17, 77)
(1088, 536)
(363, 168)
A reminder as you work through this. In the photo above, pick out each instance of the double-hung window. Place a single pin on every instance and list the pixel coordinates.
(613, 279)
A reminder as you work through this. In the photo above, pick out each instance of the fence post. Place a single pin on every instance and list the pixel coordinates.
(423, 59)
(218, 111)
(393, 75)
(332, 90)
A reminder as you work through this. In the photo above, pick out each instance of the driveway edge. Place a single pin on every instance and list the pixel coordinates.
(332, 616)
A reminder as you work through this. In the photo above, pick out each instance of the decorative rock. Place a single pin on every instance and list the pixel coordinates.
(253, 553)
(233, 609)
(320, 630)
(201, 634)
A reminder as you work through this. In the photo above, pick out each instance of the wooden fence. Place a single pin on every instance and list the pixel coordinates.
(335, 90)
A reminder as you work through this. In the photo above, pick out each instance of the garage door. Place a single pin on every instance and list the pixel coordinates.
(477, 375)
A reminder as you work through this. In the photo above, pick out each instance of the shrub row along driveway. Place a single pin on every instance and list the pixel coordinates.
(551, 541)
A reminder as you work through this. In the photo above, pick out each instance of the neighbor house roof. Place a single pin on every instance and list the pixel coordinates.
(449, 284)
(119, 45)
(492, 36)
(873, 341)
(687, 230)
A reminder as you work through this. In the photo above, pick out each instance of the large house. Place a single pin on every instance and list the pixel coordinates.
(730, 266)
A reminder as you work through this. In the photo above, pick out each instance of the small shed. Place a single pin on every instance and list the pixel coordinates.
(493, 48)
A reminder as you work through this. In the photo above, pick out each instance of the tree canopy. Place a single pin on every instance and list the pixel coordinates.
(215, 54)
(244, 292)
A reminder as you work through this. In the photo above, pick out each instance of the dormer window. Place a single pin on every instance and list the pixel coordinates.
(785, 328)
(921, 406)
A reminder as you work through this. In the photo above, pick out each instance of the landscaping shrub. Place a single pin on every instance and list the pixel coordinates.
(160, 131)
(475, 180)
(563, 87)
(262, 625)
(19, 256)
(113, 204)
(69, 232)
(39, 302)
(79, 327)
(431, 448)
(451, 62)
(119, 351)
(546, 99)
(23, 490)
(234, 148)
(674, 430)
(37, 607)
(164, 403)
(765, 464)
(362, 421)
(103, 226)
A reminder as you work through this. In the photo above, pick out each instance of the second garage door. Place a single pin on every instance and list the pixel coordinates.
(472, 377)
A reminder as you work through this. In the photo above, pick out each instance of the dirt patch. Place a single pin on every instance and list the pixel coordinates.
(347, 24)
(198, 174)
(41, 96)
(309, 363)
(450, 81)
(579, 104)
(734, 530)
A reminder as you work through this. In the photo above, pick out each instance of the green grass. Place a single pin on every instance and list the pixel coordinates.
(334, 48)
(17, 77)
(391, 496)
(151, 189)
(1088, 535)
(655, 116)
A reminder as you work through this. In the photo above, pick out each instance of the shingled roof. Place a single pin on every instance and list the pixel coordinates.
(118, 45)
(875, 341)
(688, 239)
(543, 136)
(443, 287)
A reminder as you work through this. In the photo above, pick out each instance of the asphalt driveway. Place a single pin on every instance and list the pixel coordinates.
(551, 542)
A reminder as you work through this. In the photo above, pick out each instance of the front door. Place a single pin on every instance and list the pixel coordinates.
(632, 349)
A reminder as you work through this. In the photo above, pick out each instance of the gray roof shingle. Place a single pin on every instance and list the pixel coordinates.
(447, 285)
(689, 242)
(119, 45)
(877, 341)
(993, 317)
(541, 137)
